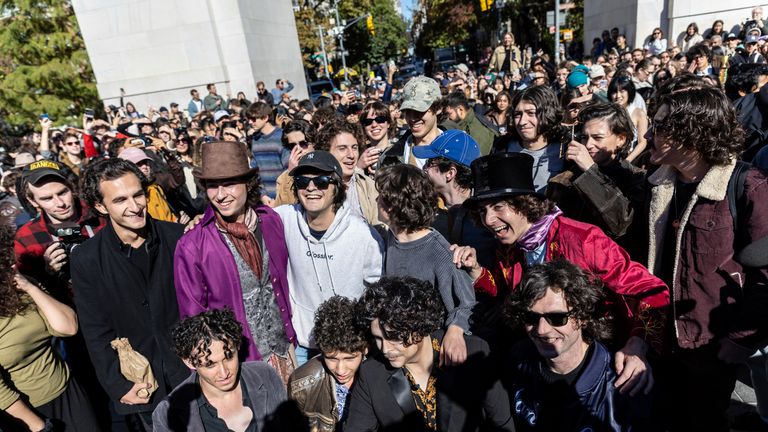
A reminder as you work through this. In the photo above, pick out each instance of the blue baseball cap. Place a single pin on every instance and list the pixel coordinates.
(453, 144)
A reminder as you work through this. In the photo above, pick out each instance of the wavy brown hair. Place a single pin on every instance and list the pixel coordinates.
(337, 127)
(407, 195)
(703, 120)
(192, 337)
(12, 301)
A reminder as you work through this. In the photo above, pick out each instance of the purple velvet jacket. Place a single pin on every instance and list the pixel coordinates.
(207, 278)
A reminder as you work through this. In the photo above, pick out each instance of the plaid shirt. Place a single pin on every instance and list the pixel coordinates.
(33, 238)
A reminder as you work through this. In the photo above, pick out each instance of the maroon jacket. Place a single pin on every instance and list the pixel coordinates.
(713, 295)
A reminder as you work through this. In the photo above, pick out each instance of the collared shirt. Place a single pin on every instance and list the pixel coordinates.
(426, 399)
(210, 415)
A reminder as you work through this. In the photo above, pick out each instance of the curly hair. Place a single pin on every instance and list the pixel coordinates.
(407, 195)
(582, 291)
(705, 121)
(302, 126)
(548, 111)
(408, 309)
(681, 82)
(337, 328)
(325, 115)
(106, 170)
(337, 127)
(13, 302)
(192, 337)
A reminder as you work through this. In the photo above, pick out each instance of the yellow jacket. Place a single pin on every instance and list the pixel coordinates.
(157, 205)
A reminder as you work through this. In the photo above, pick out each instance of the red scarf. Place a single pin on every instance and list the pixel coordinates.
(244, 240)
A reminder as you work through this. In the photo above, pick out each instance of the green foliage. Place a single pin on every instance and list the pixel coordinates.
(388, 42)
(43, 64)
(448, 23)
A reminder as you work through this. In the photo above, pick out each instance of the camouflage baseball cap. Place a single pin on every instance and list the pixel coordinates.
(420, 93)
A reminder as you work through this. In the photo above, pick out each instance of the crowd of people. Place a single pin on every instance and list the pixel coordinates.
(527, 246)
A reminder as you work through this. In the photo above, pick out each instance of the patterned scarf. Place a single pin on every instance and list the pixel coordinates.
(537, 233)
(243, 239)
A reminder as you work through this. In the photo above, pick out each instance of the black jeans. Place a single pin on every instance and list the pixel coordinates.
(694, 389)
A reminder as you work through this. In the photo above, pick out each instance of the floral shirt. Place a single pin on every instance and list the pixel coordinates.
(426, 399)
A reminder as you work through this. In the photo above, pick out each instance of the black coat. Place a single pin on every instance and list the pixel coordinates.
(466, 395)
(114, 300)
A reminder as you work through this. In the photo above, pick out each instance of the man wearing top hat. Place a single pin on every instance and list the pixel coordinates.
(236, 257)
(531, 230)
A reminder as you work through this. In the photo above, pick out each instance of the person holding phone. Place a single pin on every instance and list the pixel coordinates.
(378, 126)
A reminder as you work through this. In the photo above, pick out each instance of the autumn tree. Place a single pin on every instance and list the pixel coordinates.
(44, 67)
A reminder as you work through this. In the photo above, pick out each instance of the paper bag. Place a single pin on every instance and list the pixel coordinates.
(134, 366)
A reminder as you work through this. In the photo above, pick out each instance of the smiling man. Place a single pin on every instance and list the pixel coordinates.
(221, 394)
(536, 116)
(531, 230)
(403, 387)
(123, 287)
(43, 245)
(564, 379)
(236, 257)
(345, 141)
(421, 106)
(332, 250)
(321, 386)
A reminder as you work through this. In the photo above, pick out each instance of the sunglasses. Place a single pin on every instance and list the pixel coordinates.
(369, 121)
(321, 182)
(72, 143)
(556, 319)
(303, 144)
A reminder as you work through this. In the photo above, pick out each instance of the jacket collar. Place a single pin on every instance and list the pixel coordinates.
(150, 242)
(713, 186)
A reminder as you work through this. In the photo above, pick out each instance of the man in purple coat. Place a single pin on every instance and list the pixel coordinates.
(236, 257)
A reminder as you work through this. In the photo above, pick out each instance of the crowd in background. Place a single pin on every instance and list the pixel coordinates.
(312, 226)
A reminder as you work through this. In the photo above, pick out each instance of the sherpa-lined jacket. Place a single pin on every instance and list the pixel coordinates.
(713, 296)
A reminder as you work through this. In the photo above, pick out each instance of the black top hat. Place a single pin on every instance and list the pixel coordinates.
(502, 175)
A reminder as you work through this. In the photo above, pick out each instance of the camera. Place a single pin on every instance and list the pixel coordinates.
(70, 236)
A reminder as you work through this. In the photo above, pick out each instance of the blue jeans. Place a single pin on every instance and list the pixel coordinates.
(303, 354)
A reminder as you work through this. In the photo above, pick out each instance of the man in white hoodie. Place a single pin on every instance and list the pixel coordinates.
(331, 249)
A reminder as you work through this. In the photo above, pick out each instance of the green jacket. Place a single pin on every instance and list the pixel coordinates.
(477, 130)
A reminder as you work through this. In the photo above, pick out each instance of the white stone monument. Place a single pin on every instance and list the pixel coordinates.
(638, 18)
(158, 50)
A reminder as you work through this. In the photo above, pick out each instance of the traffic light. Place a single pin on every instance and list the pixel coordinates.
(485, 5)
(369, 24)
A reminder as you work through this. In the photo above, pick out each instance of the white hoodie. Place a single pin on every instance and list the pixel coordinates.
(349, 253)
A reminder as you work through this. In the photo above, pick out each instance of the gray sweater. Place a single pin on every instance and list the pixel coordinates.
(429, 258)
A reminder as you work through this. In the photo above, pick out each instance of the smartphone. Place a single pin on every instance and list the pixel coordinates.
(89, 112)
(44, 116)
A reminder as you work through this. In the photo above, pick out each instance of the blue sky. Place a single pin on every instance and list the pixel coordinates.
(408, 6)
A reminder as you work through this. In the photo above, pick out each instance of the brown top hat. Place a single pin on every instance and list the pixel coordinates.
(224, 160)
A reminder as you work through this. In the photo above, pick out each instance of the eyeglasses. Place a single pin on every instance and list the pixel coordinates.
(321, 182)
(303, 144)
(72, 143)
(656, 33)
(556, 319)
(612, 58)
(377, 119)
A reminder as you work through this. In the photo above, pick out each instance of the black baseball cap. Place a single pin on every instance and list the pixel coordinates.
(318, 160)
(35, 171)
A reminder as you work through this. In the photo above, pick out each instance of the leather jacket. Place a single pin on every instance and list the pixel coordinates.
(313, 390)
